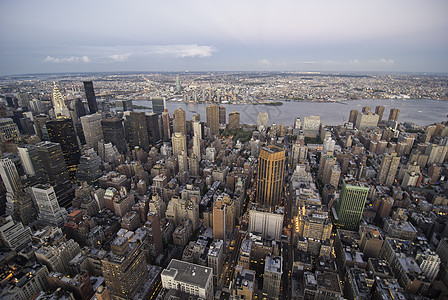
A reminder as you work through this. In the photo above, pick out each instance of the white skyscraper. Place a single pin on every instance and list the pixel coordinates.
(47, 203)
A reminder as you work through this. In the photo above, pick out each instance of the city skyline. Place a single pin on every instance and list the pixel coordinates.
(52, 37)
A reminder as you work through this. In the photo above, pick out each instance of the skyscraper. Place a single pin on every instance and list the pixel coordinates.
(153, 123)
(379, 110)
(124, 269)
(90, 95)
(93, 132)
(271, 169)
(179, 143)
(234, 120)
(262, 119)
(393, 114)
(137, 131)
(219, 220)
(60, 109)
(31, 162)
(180, 124)
(49, 210)
(166, 125)
(113, 132)
(63, 132)
(349, 209)
(388, 169)
(213, 118)
(222, 115)
(158, 105)
(18, 203)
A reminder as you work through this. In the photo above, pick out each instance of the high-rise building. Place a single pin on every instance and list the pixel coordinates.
(366, 120)
(153, 123)
(113, 132)
(222, 115)
(18, 202)
(213, 118)
(90, 95)
(270, 176)
(388, 169)
(93, 132)
(63, 132)
(124, 105)
(353, 116)
(13, 234)
(393, 114)
(311, 126)
(166, 125)
(55, 170)
(89, 168)
(179, 142)
(49, 210)
(180, 124)
(272, 277)
(158, 105)
(124, 269)
(262, 120)
(379, 110)
(137, 132)
(234, 120)
(190, 278)
(215, 258)
(219, 220)
(349, 209)
(9, 130)
(60, 109)
(31, 162)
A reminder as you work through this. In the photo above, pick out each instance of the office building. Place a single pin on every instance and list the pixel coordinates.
(158, 105)
(234, 120)
(270, 176)
(262, 120)
(124, 105)
(166, 125)
(153, 123)
(89, 168)
(57, 257)
(179, 209)
(222, 115)
(311, 126)
(379, 110)
(366, 120)
(180, 124)
(353, 116)
(388, 169)
(47, 203)
(244, 283)
(124, 268)
(60, 109)
(213, 118)
(90, 95)
(63, 132)
(272, 277)
(13, 234)
(9, 132)
(189, 278)
(113, 132)
(268, 224)
(349, 209)
(179, 142)
(215, 258)
(393, 114)
(32, 165)
(18, 202)
(137, 132)
(219, 220)
(93, 132)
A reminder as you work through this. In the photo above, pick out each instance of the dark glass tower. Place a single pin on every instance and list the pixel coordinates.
(113, 132)
(90, 95)
(137, 131)
(158, 105)
(63, 132)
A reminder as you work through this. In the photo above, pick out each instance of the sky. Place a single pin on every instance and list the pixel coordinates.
(52, 36)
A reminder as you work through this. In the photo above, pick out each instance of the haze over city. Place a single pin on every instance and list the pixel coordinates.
(85, 36)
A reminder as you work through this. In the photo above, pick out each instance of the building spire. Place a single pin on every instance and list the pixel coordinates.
(60, 109)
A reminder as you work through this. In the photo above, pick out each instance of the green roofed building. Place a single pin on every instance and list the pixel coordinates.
(348, 211)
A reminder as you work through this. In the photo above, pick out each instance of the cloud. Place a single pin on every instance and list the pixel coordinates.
(120, 57)
(264, 61)
(71, 59)
(183, 51)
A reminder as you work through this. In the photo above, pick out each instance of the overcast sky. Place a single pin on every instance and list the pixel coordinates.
(234, 35)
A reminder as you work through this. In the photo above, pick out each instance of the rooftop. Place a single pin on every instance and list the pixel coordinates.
(188, 273)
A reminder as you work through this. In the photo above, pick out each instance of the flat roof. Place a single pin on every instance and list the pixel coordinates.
(188, 273)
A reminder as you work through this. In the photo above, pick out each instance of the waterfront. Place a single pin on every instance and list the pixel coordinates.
(420, 112)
